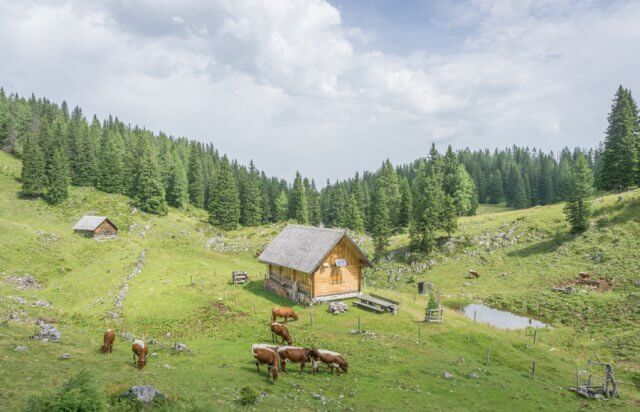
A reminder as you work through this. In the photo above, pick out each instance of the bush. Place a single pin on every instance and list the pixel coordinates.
(78, 394)
(248, 396)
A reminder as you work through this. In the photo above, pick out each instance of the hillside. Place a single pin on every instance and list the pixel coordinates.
(183, 290)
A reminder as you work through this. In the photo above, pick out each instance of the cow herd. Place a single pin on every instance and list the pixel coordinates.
(276, 357)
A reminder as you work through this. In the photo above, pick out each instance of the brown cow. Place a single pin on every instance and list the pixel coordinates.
(140, 350)
(296, 355)
(332, 359)
(282, 331)
(266, 354)
(282, 312)
(107, 341)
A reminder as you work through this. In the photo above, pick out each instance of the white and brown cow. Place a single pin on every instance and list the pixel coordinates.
(296, 355)
(266, 354)
(140, 351)
(332, 360)
(278, 329)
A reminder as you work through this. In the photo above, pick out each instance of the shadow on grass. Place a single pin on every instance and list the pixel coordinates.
(540, 248)
(257, 288)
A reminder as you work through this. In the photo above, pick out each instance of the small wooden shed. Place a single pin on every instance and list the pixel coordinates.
(311, 264)
(96, 226)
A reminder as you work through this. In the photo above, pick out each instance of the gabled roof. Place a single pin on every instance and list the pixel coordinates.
(88, 222)
(303, 248)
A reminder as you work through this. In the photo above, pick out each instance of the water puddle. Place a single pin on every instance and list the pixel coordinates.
(499, 318)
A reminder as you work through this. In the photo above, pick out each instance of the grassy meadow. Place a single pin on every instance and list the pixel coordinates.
(183, 290)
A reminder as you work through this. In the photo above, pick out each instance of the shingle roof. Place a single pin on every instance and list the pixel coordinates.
(303, 247)
(90, 222)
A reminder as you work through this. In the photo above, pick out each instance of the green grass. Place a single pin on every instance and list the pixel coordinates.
(391, 371)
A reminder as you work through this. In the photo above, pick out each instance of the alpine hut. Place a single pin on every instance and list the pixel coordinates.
(96, 226)
(311, 264)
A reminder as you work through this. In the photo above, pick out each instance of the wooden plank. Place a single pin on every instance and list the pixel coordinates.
(367, 306)
(395, 302)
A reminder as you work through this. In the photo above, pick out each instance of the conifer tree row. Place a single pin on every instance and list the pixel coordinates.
(60, 147)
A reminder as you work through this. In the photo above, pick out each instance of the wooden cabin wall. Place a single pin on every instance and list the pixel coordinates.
(288, 275)
(105, 228)
(351, 274)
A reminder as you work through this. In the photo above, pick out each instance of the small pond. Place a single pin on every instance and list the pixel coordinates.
(499, 318)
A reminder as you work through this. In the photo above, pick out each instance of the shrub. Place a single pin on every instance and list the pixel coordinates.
(248, 396)
(78, 394)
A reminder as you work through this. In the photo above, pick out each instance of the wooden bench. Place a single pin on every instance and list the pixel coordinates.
(367, 306)
(395, 302)
(383, 304)
(239, 277)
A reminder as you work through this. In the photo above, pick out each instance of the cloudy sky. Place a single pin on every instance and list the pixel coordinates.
(331, 87)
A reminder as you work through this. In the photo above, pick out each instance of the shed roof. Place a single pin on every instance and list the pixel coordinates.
(88, 222)
(304, 247)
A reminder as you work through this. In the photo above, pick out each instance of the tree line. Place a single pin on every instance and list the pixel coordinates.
(61, 148)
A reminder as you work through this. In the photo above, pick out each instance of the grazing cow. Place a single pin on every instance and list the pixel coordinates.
(107, 341)
(266, 354)
(140, 350)
(286, 313)
(332, 359)
(282, 331)
(296, 355)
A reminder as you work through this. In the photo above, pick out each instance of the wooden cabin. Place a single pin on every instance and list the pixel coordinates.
(96, 227)
(311, 264)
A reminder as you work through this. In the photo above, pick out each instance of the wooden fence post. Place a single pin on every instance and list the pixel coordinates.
(488, 357)
(358, 324)
(475, 315)
(535, 336)
(254, 307)
(311, 318)
(533, 369)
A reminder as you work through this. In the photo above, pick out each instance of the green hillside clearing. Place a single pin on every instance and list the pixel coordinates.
(183, 290)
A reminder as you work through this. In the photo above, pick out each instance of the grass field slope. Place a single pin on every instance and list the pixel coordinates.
(182, 294)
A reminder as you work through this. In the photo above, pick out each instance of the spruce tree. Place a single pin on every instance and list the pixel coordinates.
(380, 221)
(282, 206)
(313, 202)
(520, 199)
(149, 190)
(449, 216)
(224, 205)
(33, 169)
(495, 189)
(298, 208)
(620, 157)
(354, 216)
(196, 176)
(388, 180)
(111, 163)
(251, 200)
(578, 207)
(406, 204)
(428, 216)
(178, 186)
(57, 178)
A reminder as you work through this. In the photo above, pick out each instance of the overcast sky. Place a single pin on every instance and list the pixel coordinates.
(331, 87)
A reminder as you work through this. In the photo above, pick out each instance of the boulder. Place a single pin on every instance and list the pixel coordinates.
(336, 308)
(447, 375)
(47, 333)
(145, 394)
(21, 349)
(65, 356)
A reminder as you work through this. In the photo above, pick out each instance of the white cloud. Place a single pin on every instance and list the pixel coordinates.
(285, 82)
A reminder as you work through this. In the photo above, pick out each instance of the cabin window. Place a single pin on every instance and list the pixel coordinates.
(336, 276)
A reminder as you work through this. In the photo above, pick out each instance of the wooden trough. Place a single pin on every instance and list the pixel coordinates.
(239, 277)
